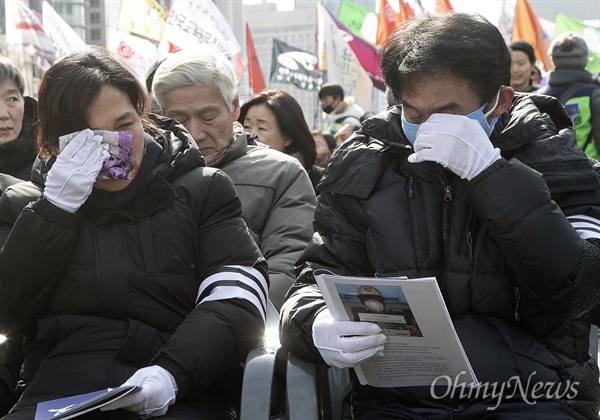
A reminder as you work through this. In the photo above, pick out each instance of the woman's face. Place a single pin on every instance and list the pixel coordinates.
(113, 111)
(261, 121)
(520, 71)
(323, 152)
(12, 108)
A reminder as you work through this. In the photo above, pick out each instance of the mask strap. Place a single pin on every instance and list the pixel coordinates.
(487, 114)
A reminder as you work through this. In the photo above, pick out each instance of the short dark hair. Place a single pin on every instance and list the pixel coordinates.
(290, 120)
(70, 86)
(523, 46)
(466, 45)
(8, 70)
(331, 89)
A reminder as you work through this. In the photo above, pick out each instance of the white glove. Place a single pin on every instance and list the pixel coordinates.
(153, 400)
(456, 142)
(72, 176)
(346, 343)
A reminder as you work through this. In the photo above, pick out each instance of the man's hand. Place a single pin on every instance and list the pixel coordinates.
(72, 176)
(155, 397)
(456, 142)
(346, 343)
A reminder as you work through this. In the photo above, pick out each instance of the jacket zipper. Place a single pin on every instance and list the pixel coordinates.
(470, 245)
(517, 303)
(447, 199)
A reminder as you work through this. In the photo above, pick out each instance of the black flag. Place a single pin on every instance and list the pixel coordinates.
(295, 66)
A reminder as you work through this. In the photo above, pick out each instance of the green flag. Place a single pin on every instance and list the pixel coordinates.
(590, 33)
(360, 20)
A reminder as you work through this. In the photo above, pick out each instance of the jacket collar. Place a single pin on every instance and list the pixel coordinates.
(237, 147)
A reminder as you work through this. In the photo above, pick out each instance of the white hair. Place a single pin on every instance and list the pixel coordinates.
(203, 65)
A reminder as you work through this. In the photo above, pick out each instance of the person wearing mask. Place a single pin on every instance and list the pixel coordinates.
(574, 86)
(473, 184)
(337, 108)
(198, 88)
(276, 118)
(522, 66)
(18, 130)
(126, 266)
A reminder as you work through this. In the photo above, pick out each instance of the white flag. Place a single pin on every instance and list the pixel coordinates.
(137, 52)
(191, 23)
(506, 19)
(24, 32)
(337, 58)
(64, 38)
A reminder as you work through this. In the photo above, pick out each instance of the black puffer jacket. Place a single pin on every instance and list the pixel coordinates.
(515, 275)
(16, 157)
(124, 276)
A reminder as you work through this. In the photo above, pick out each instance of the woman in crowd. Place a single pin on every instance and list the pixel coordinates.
(276, 118)
(147, 278)
(17, 127)
(325, 144)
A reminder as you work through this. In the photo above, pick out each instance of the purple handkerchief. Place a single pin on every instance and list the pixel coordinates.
(119, 163)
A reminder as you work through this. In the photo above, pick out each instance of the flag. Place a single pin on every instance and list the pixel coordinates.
(24, 33)
(64, 39)
(368, 55)
(590, 34)
(145, 18)
(191, 23)
(528, 27)
(337, 58)
(443, 6)
(388, 19)
(506, 19)
(295, 66)
(255, 76)
(137, 52)
(360, 20)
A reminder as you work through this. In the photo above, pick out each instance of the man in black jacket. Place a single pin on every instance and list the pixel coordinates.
(485, 190)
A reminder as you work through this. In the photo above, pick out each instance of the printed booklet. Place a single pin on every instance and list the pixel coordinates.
(422, 344)
(70, 407)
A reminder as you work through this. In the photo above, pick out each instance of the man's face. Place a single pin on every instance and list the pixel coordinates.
(204, 113)
(12, 108)
(328, 103)
(345, 131)
(443, 93)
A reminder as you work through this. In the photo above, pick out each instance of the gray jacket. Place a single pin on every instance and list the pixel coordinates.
(278, 204)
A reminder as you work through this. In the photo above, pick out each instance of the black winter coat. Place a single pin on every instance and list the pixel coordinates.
(119, 285)
(515, 275)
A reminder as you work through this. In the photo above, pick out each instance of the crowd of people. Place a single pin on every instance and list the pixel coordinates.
(165, 215)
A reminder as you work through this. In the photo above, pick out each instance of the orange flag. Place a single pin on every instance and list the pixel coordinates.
(528, 27)
(443, 6)
(388, 19)
(255, 76)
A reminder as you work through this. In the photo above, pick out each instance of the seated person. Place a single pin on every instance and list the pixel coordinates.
(17, 127)
(198, 88)
(474, 185)
(146, 276)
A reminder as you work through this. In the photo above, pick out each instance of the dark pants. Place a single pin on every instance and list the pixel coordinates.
(90, 357)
